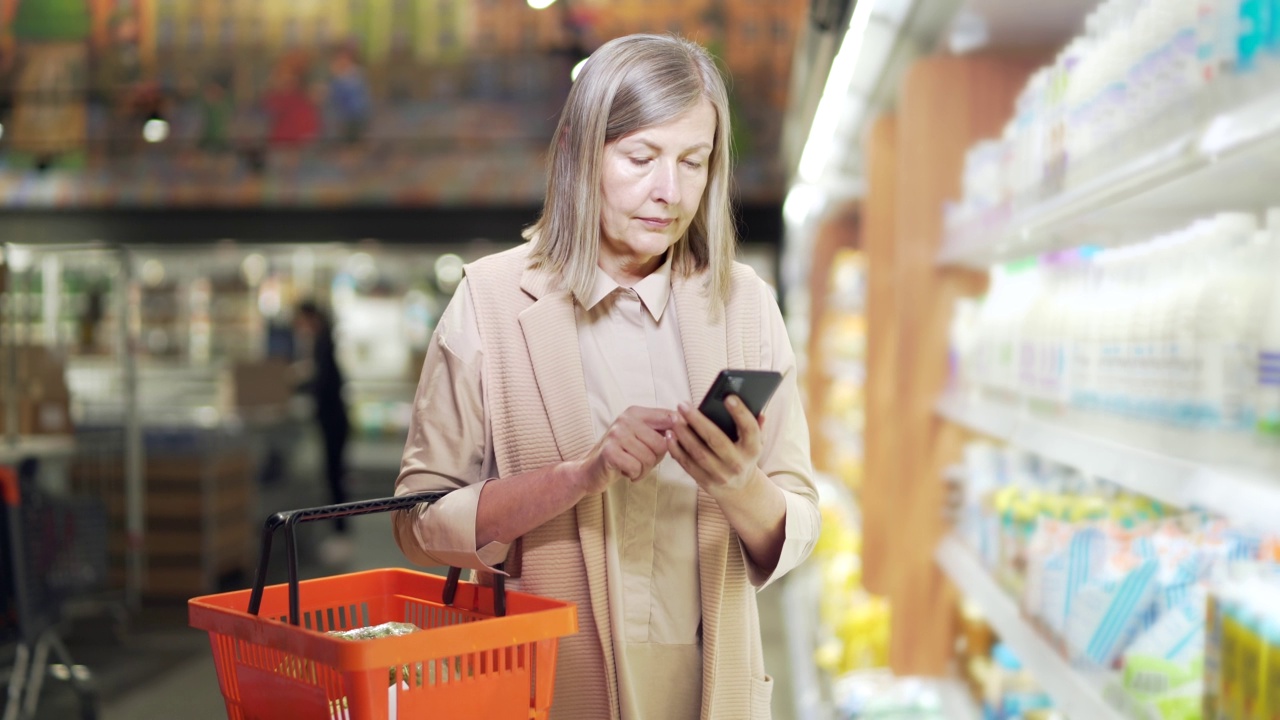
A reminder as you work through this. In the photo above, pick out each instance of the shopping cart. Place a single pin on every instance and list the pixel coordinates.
(55, 549)
(482, 652)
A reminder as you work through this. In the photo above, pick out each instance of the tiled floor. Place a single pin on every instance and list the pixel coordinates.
(164, 669)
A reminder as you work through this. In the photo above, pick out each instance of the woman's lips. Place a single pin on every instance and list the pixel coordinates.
(656, 223)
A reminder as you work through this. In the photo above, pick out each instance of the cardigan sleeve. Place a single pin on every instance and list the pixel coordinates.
(785, 458)
(448, 448)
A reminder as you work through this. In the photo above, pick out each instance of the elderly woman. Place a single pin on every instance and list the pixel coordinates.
(556, 401)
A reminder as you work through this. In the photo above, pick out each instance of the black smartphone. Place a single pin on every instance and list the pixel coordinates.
(753, 387)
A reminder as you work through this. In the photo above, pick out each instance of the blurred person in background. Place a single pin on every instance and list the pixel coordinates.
(321, 377)
(348, 95)
(293, 113)
(556, 403)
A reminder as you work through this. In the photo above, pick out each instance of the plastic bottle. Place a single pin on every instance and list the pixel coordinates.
(962, 340)
(1217, 326)
(1267, 408)
(1229, 692)
(1214, 605)
(1250, 39)
(1271, 685)
(1166, 274)
(1250, 650)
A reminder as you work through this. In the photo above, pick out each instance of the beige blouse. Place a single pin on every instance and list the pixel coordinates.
(631, 355)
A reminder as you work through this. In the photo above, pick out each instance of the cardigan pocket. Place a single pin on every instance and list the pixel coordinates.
(761, 697)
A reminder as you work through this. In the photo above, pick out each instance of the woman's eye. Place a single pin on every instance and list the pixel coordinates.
(694, 164)
(640, 162)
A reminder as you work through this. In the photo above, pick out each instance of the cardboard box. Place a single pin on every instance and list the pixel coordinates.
(39, 417)
(44, 403)
(256, 385)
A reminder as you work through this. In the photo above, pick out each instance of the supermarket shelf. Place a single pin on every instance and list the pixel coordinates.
(1228, 163)
(1243, 495)
(1075, 693)
(36, 446)
(957, 704)
(794, 602)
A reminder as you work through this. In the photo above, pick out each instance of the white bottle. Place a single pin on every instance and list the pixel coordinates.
(1218, 322)
(1267, 402)
(1085, 341)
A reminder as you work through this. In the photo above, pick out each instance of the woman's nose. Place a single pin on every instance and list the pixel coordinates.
(666, 184)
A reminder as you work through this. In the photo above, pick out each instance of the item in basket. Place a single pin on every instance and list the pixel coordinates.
(387, 629)
(373, 632)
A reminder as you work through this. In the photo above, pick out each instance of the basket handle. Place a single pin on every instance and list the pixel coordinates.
(290, 519)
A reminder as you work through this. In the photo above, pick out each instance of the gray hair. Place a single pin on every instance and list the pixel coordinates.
(628, 84)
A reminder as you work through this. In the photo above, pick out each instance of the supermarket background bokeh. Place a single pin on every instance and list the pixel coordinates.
(335, 102)
(1025, 251)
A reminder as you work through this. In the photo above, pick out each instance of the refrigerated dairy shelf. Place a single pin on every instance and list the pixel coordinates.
(1075, 693)
(1243, 495)
(1230, 162)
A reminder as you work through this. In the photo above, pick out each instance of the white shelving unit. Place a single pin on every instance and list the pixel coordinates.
(1077, 694)
(1243, 495)
(1230, 162)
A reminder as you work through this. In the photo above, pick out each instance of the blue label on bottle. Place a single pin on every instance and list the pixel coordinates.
(1251, 32)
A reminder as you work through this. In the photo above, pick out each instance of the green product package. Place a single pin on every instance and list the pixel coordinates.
(1149, 676)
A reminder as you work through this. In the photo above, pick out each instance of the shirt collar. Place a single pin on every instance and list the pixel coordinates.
(654, 289)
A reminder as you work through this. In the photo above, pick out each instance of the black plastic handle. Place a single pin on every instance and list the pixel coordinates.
(289, 519)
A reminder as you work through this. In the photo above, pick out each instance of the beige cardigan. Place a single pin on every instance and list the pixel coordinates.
(539, 413)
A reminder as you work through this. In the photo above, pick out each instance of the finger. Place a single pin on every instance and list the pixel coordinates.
(657, 419)
(633, 420)
(748, 425)
(654, 440)
(699, 451)
(641, 451)
(623, 462)
(682, 457)
(710, 433)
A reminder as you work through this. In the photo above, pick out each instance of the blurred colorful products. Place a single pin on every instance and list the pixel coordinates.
(856, 623)
(1125, 584)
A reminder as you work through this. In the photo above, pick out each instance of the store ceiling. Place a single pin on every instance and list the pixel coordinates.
(1022, 24)
(957, 26)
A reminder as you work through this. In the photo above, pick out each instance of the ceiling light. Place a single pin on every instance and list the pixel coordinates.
(801, 201)
(821, 141)
(152, 273)
(573, 74)
(253, 269)
(449, 270)
(155, 130)
(894, 12)
(540, 4)
(969, 32)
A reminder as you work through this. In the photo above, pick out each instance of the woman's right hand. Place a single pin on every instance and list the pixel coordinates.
(632, 446)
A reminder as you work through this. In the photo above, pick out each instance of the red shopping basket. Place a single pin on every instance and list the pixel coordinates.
(482, 652)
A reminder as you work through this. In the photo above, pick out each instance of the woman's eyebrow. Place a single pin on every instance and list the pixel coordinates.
(658, 148)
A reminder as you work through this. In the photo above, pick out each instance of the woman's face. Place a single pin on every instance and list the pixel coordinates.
(651, 185)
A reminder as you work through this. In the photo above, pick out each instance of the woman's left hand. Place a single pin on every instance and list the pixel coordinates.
(719, 465)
